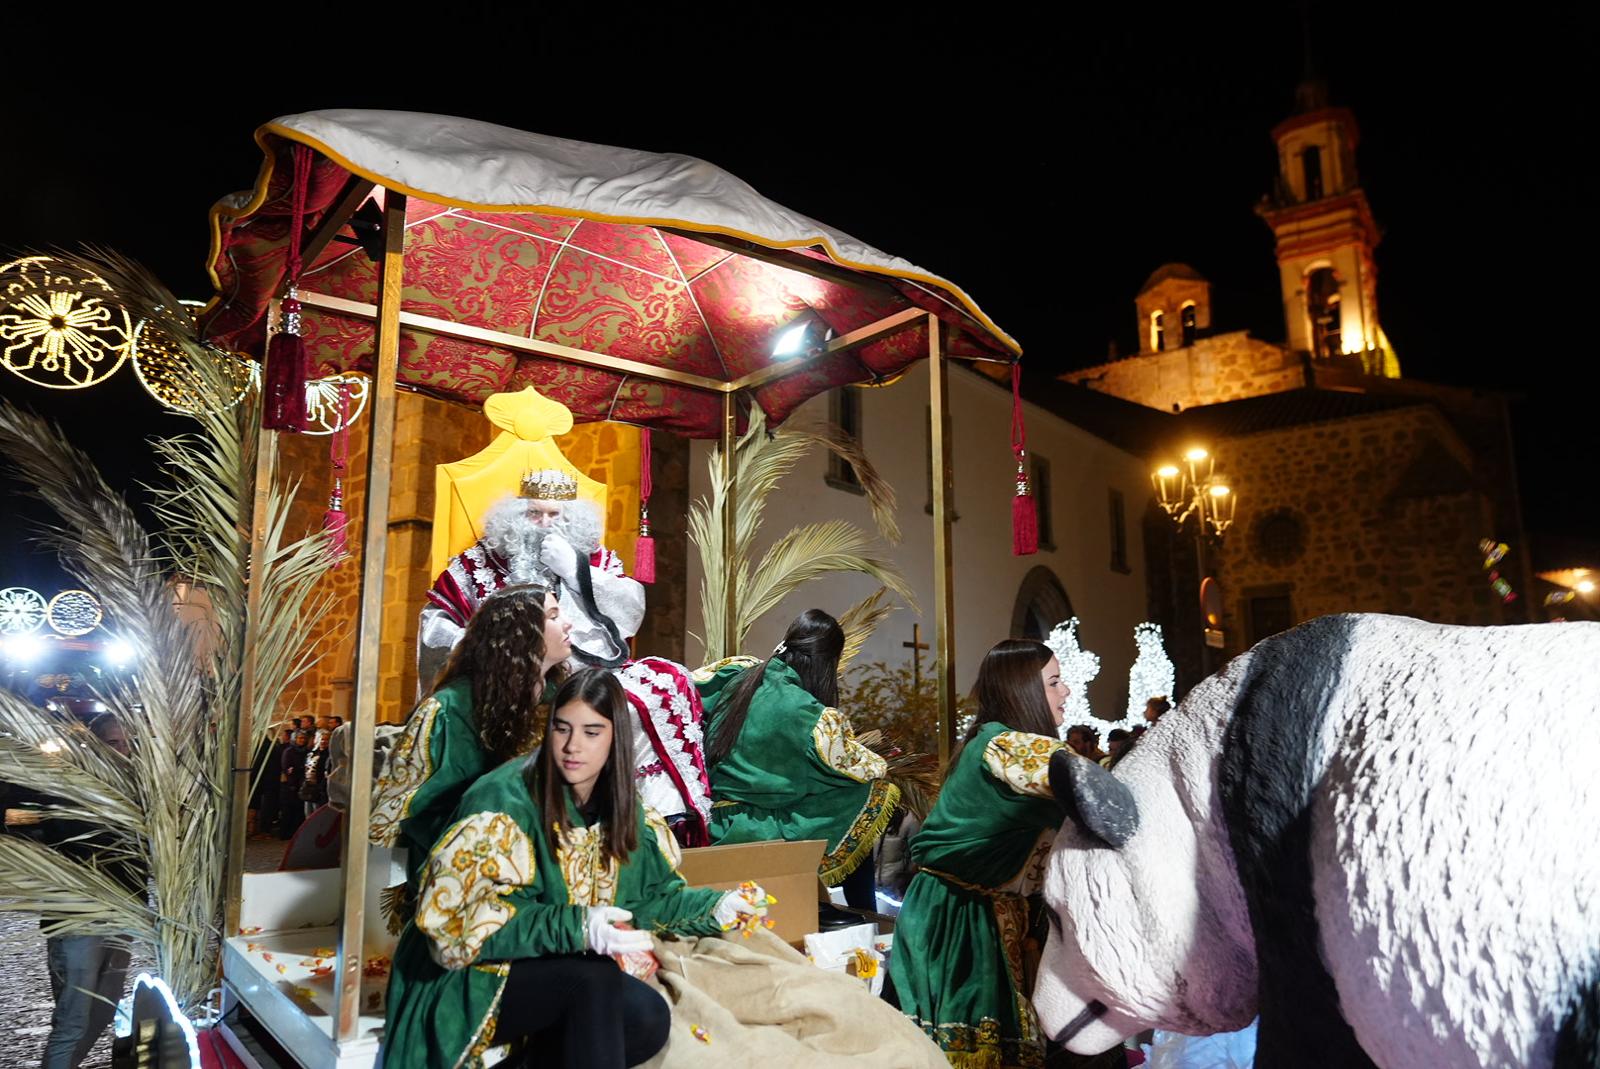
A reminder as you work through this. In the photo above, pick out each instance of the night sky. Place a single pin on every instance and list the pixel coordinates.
(1047, 165)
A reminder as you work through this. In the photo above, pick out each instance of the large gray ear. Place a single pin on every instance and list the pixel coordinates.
(1097, 801)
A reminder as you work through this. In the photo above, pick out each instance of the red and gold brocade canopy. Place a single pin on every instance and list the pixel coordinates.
(663, 260)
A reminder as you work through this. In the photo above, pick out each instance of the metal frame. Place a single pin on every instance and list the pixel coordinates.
(389, 320)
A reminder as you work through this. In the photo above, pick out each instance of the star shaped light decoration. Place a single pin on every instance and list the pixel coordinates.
(1078, 667)
(62, 339)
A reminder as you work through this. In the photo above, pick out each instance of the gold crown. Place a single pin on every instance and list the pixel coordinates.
(549, 485)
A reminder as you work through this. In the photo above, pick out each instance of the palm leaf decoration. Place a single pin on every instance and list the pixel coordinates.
(761, 460)
(166, 807)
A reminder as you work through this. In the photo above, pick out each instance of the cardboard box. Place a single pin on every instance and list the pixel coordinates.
(787, 870)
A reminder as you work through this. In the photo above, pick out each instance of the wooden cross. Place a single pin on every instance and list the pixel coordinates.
(916, 646)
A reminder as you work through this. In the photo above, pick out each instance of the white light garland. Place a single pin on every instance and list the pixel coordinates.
(1078, 667)
(1151, 676)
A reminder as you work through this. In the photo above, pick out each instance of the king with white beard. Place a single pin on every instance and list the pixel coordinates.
(547, 534)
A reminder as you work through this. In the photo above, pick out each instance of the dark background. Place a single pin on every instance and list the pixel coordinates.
(1046, 162)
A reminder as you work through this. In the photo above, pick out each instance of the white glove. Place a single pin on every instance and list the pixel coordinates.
(605, 938)
(560, 558)
(735, 905)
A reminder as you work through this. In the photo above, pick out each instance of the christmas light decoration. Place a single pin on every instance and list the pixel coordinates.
(1151, 676)
(22, 611)
(326, 402)
(164, 371)
(74, 612)
(62, 339)
(1078, 667)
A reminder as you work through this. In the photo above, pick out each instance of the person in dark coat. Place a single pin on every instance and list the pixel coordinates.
(292, 766)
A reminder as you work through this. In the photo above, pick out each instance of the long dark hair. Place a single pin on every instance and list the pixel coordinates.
(502, 653)
(811, 647)
(1009, 688)
(614, 791)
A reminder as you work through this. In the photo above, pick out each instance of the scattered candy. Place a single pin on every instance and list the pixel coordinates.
(322, 970)
(281, 968)
(252, 947)
(305, 993)
(759, 900)
(378, 965)
(311, 962)
(322, 952)
(266, 955)
(700, 1033)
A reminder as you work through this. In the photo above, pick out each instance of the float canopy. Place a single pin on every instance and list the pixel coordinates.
(627, 285)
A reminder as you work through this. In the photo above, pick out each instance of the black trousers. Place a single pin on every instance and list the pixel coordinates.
(861, 887)
(581, 1012)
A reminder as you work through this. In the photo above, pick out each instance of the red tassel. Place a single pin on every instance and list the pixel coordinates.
(1024, 511)
(644, 556)
(334, 522)
(1024, 518)
(288, 370)
(644, 550)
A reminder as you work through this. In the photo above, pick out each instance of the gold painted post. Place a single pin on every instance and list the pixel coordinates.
(730, 526)
(944, 619)
(375, 536)
(243, 751)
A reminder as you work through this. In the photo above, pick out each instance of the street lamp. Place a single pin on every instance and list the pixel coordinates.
(1197, 490)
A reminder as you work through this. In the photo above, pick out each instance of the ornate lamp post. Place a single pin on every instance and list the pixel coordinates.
(1197, 490)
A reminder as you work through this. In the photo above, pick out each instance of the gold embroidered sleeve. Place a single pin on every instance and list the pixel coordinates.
(408, 767)
(704, 673)
(664, 837)
(1021, 761)
(837, 746)
(473, 868)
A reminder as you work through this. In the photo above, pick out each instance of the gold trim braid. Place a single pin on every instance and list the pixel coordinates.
(865, 830)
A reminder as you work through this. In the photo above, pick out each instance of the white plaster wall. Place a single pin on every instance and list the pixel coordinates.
(987, 577)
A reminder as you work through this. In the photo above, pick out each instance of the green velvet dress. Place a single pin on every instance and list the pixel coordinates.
(796, 771)
(433, 762)
(957, 964)
(492, 891)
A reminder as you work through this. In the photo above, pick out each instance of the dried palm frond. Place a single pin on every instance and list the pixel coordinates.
(168, 804)
(860, 620)
(761, 461)
(919, 779)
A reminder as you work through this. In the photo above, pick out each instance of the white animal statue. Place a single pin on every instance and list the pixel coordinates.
(1381, 835)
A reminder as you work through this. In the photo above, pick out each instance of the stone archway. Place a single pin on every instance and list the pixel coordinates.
(1041, 604)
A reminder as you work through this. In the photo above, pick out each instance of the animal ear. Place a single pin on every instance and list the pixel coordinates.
(1097, 801)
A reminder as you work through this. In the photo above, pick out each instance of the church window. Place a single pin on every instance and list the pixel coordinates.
(1119, 533)
(1311, 163)
(1188, 319)
(1158, 331)
(1039, 478)
(844, 412)
(1268, 610)
(1323, 306)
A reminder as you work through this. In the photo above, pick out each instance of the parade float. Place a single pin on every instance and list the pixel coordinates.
(464, 261)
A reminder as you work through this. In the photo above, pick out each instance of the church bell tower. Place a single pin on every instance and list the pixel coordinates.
(1325, 235)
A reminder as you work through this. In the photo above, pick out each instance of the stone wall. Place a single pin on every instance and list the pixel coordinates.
(1224, 367)
(1378, 513)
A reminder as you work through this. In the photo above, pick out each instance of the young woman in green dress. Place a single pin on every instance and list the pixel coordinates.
(482, 712)
(528, 895)
(957, 966)
(784, 761)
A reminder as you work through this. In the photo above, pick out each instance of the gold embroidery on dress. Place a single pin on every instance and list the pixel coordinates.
(704, 673)
(590, 882)
(837, 746)
(461, 903)
(409, 765)
(664, 838)
(1021, 761)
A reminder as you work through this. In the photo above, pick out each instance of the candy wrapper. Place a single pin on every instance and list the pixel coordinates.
(853, 951)
(641, 965)
(749, 922)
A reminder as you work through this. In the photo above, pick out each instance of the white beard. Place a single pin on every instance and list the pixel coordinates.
(509, 535)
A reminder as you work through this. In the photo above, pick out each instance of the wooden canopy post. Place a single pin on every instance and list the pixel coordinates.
(374, 551)
(944, 618)
(730, 526)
